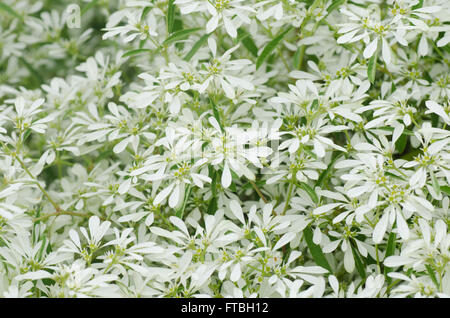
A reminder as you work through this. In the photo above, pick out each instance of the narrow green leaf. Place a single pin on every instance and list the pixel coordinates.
(43, 246)
(196, 47)
(11, 11)
(310, 191)
(89, 6)
(179, 35)
(394, 175)
(358, 262)
(315, 250)
(212, 206)
(419, 5)
(391, 129)
(268, 49)
(334, 5)
(145, 12)
(400, 144)
(216, 113)
(170, 16)
(327, 171)
(411, 154)
(309, 152)
(180, 212)
(432, 275)
(297, 58)
(372, 67)
(446, 190)
(134, 52)
(36, 75)
(142, 43)
(435, 183)
(247, 41)
(390, 250)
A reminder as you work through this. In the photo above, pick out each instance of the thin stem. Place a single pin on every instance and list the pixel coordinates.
(24, 167)
(378, 259)
(290, 191)
(255, 186)
(58, 210)
(62, 212)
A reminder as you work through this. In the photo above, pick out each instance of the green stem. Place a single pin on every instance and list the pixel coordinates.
(290, 191)
(378, 259)
(24, 167)
(62, 212)
(255, 186)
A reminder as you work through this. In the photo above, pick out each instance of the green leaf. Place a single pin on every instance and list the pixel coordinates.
(179, 35)
(390, 250)
(89, 6)
(327, 171)
(43, 246)
(196, 47)
(134, 52)
(333, 6)
(419, 5)
(358, 262)
(180, 212)
(216, 113)
(212, 206)
(432, 275)
(372, 67)
(394, 175)
(309, 152)
(247, 41)
(11, 11)
(268, 49)
(310, 191)
(391, 129)
(36, 75)
(145, 12)
(435, 183)
(297, 58)
(170, 16)
(446, 190)
(315, 250)
(400, 144)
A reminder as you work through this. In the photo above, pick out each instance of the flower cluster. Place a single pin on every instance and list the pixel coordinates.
(225, 148)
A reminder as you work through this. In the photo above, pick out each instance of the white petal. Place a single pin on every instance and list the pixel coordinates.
(229, 27)
(330, 247)
(163, 194)
(212, 24)
(423, 46)
(285, 239)
(229, 91)
(175, 196)
(236, 273)
(318, 149)
(402, 226)
(380, 228)
(437, 109)
(394, 261)
(124, 186)
(121, 145)
(226, 176)
(386, 51)
(349, 261)
(370, 49)
(237, 211)
(317, 236)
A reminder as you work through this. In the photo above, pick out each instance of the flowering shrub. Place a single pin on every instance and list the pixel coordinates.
(224, 148)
